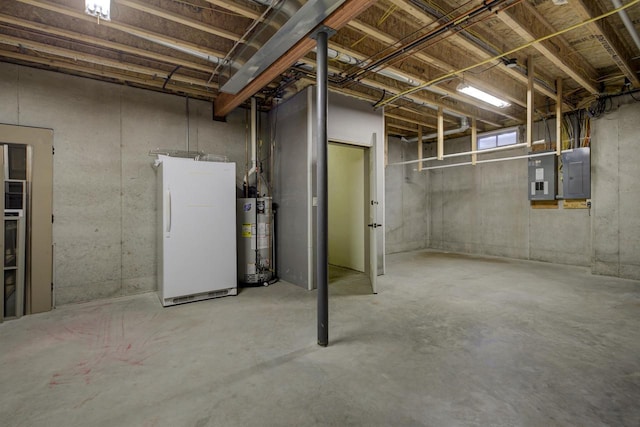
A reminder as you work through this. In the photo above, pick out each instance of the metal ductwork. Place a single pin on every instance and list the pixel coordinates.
(464, 125)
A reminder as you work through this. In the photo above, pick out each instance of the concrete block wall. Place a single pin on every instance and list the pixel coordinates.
(104, 185)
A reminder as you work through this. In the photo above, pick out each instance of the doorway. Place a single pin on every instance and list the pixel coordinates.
(26, 238)
(348, 201)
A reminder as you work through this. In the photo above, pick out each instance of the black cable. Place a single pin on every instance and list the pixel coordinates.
(384, 93)
(164, 86)
(486, 69)
(631, 94)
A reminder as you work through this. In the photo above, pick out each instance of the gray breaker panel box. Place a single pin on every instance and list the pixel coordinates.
(542, 177)
(576, 174)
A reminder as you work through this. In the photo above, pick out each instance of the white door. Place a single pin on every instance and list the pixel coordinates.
(373, 218)
(199, 229)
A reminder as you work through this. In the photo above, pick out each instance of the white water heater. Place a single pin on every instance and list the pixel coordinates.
(255, 219)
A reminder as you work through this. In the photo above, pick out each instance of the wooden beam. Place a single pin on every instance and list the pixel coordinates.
(452, 94)
(559, 117)
(435, 100)
(402, 127)
(162, 39)
(225, 103)
(98, 60)
(377, 34)
(174, 17)
(410, 120)
(237, 8)
(607, 36)
(103, 43)
(440, 134)
(530, 25)
(530, 88)
(426, 19)
(125, 78)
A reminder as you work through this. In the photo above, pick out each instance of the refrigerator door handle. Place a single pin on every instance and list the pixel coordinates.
(169, 211)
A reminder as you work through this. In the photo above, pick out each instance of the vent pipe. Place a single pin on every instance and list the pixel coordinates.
(464, 125)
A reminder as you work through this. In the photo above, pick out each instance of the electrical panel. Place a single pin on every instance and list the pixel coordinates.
(542, 177)
(576, 173)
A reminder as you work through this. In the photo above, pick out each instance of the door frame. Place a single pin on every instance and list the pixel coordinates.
(371, 149)
(365, 158)
(39, 275)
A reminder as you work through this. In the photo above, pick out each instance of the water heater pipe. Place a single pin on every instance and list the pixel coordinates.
(254, 138)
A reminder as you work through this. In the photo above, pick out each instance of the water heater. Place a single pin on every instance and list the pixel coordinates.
(256, 249)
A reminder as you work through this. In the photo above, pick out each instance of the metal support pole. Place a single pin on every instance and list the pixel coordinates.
(322, 193)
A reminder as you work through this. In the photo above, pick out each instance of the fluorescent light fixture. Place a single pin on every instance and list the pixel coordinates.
(482, 96)
(99, 8)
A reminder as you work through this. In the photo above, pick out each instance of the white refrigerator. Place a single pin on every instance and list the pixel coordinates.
(197, 223)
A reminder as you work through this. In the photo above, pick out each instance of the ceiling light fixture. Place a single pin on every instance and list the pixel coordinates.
(482, 96)
(98, 8)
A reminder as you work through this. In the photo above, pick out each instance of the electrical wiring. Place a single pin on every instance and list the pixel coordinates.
(630, 92)
(486, 69)
(509, 52)
(408, 43)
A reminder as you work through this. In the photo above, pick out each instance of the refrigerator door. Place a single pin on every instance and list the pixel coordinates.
(198, 227)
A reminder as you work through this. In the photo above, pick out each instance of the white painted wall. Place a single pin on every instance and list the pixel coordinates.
(346, 206)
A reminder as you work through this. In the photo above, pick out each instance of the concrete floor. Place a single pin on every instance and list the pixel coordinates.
(450, 340)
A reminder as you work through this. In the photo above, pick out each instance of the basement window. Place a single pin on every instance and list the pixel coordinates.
(497, 139)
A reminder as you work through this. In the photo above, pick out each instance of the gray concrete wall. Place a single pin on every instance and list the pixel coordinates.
(479, 209)
(104, 186)
(290, 122)
(484, 209)
(616, 192)
(407, 201)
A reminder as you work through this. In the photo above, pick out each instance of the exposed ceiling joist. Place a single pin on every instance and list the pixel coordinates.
(525, 21)
(141, 33)
(102, 43)
(241, 10)
(607, 37)
(410, 120)
(378, 35)
(426, 19)
(109, 74)
(494, 84)
(147, 40)
(98, 60)
(170, 16)
(402, 127)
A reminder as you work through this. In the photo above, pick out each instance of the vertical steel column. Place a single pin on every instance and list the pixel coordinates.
(321, 178)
